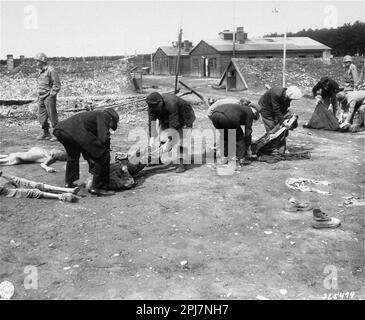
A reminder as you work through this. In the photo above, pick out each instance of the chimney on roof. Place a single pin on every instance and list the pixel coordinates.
(187, 45)
(240, 35)
(10, 61)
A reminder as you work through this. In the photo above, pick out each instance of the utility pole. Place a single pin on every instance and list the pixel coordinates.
(284, 57)
(177, 69)
(234, 32)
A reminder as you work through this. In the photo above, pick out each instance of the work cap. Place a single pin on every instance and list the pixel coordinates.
(323, 79)
(340, 96)
(294, 93)
(41, 57)
(115, 117)
(153, 98)
(347, 59)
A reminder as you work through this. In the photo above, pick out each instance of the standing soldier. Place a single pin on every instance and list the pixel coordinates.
(351, 76)
(48, 87)
(173, 113)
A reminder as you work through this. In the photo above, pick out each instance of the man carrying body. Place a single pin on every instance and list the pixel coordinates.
(88, 133)
(172, 113)
(232, 116)
(48, 87)
(329, 88)
(353, 101)
(274, 105)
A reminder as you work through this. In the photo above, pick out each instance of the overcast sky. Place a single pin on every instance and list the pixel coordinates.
(77, 28)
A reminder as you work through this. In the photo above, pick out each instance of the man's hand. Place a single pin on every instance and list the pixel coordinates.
(153, 142)
(286, 123)
(318, 99)
(248, 152)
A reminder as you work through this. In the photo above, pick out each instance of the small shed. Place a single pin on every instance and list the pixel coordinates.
(233, 77)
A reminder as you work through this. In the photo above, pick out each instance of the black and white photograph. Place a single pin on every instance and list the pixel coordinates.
(184, 154)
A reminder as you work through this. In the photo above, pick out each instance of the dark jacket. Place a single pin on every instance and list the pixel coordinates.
(90, 130)
(274, 104)
(332, 89)
(176, 113)
(237, 116)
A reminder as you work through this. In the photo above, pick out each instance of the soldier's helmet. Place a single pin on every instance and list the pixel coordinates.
(41, 57)
(347, 59)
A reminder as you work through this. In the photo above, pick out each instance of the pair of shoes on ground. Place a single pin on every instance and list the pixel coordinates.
(293, 205)
(323, 220)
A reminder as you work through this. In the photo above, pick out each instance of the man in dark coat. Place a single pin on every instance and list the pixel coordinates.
(274, 105)
(329, 88)
(173, 113)
(232, 116)
(88, 133)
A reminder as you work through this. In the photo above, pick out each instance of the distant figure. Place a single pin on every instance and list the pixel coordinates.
(274, 105)
(351, 75)
(328, 90)
(48, 87)
(87, 133)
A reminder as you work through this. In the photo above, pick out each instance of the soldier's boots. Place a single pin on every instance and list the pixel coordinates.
(45, 135)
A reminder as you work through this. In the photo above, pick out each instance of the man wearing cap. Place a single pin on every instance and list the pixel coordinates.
(351, 75)
(328, 90)
(87, 133)
(352, 102)
(274, 105)
(172, 112)
(231, 115)
(48, 87)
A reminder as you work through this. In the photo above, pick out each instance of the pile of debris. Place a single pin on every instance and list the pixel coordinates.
(302, 72)
(79, 79)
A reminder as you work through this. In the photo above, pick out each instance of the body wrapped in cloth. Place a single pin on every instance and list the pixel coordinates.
(265, 148)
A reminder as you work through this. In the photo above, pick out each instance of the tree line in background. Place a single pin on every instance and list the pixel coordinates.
(347, 39)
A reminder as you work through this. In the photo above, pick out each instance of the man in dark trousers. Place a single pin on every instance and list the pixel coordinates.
(329, 88)
(49, 85)
(173, 113)
(274, 105)
(233, 116)
(88, 133)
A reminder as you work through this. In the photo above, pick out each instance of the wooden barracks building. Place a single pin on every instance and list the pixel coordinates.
(210, 58)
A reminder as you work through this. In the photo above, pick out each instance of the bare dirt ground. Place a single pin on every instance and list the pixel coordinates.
(130, 246)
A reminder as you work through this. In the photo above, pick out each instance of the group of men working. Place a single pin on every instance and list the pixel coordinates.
(343, 102)
(88, 133)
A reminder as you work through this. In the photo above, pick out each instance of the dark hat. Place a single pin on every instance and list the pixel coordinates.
(153, 98)
(324, 79)
(115, 117)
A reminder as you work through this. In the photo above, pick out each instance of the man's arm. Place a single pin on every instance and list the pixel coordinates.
(355, 75)
(152, 124)
(56, 83)
(103, 130)
(275, 102)
(315, 89)
(351, 107)
(248, 130)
